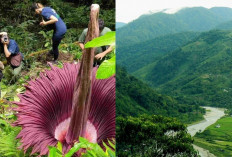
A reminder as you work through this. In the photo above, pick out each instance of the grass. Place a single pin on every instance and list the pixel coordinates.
(217, 140)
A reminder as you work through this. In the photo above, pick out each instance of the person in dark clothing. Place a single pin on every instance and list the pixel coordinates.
(51, 18)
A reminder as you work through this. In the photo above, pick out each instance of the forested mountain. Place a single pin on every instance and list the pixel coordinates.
(225, 26)
(139, 55)
(198, 72)
(134, 98)
(188, 19)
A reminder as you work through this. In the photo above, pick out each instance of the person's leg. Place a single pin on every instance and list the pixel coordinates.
(16, 72)
(56, 39)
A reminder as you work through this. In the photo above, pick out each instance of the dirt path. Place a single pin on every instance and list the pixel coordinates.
(211, 116)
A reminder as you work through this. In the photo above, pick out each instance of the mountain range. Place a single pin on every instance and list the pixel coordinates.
(186, 55)
(150, 26)
(197, 73)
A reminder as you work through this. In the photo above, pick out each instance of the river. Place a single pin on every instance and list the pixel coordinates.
(211, 116)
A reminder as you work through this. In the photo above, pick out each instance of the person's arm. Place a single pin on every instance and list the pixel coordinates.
(81, 39)
(52, 20)
(103, 54)
(6, 51)
(1, 66)
(82, 46)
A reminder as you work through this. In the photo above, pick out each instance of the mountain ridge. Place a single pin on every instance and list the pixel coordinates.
(150, 26)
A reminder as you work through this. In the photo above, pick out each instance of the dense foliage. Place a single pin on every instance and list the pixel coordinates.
(152, 136)
(92, 149)
(23, 25)
(133, 98)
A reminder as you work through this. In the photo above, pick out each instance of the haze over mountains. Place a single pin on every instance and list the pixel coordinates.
(120, 24)
(188, 19)
(182, 54)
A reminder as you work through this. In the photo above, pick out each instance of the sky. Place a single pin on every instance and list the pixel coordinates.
(128, 10)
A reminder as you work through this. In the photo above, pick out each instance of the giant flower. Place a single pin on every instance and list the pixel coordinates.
(66, 103)
(44, 110)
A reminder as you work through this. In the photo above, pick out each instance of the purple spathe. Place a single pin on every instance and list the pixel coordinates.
(48, 101)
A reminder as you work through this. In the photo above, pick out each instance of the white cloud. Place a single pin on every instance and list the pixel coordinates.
(128, 10)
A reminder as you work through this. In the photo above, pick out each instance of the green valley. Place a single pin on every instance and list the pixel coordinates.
(134, 98)
(176, 63)
(197, 73)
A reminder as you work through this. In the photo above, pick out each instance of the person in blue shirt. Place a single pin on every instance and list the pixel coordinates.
(51, 18)
(13, 54)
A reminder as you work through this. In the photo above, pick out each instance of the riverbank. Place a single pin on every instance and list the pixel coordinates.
(217, 138)
(211, 116)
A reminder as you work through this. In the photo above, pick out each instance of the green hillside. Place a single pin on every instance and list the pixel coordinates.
(134, 98)
(197, 73)
(158, 24)
(139, 55)
(225, 26)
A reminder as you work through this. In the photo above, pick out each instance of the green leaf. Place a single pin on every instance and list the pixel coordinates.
(52, 151)
(107, 39)
(3, 94)
(89, 153)
(83, 140)
(109, 151)
(59, 146)
(111, 144)
(106, 69)
(74, 149)
(47, 44)
(16, 98)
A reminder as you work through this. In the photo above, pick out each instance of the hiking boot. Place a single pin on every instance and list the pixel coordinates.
(50, 53)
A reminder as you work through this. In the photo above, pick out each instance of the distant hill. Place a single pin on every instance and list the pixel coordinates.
(139, 55)
(158, 24)
(120, 24)
(225, 26)
(199, 72)
(134, 98)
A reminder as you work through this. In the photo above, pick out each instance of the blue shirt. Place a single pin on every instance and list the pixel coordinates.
(13, 48)
(59, 27)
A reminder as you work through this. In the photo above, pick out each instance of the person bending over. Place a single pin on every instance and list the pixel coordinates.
(50, 17)
(100, 52)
